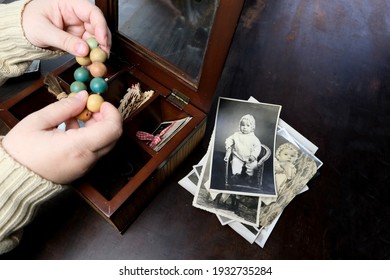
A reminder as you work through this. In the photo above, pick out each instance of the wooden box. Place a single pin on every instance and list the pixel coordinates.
(176, 48)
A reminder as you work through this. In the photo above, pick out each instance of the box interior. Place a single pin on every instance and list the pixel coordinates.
(130, 156)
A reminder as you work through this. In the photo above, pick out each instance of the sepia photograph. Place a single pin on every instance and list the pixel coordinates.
(294, 168)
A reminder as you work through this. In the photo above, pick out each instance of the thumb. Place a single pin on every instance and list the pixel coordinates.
(67, 42)
(71, 44)
(58, 112)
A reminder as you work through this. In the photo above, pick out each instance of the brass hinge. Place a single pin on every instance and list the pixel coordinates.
(178, 99)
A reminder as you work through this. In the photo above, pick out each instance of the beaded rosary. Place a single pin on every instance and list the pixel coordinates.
(91, 65)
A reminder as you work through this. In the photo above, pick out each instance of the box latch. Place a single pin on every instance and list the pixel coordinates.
(178, 99)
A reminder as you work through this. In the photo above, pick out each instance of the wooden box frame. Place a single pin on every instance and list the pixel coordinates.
(130, 63)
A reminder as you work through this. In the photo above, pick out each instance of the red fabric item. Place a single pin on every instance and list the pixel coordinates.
(154, 139)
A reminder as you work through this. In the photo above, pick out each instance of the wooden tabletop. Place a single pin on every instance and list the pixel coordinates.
(327, 64)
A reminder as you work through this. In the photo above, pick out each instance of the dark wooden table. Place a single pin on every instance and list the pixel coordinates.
(327, 64)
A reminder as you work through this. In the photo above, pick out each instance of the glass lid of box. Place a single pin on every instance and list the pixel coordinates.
(176, 30)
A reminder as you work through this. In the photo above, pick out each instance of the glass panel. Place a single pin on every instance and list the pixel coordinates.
(176, 30)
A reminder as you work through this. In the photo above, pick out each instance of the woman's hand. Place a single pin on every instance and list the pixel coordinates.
(65, 25)
(63, 156)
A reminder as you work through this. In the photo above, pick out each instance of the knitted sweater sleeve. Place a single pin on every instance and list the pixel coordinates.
(21, 192)
(16, 52)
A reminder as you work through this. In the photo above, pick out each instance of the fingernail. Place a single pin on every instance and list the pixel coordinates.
(81, 95)
(81, 49)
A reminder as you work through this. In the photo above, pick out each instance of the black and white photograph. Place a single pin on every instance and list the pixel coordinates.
(244, 209)
(190, 182)
(242, 155)
(206, 199)
(249, 233)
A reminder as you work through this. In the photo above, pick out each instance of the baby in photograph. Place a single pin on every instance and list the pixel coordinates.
(286, 157)
(293, 169)
(244, 147)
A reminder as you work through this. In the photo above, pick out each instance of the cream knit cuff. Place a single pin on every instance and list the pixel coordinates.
(21, 192)
(16, 52)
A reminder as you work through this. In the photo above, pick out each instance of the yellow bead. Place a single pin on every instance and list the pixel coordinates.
(83, 60)
(97, 54)
(94, 102)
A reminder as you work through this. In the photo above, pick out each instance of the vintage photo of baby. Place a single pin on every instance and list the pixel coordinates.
(244, 209)
(242, 161)
(286, 157)
(294, 168)
(244, 148)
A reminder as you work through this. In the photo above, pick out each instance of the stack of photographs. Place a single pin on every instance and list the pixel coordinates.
(254, 166)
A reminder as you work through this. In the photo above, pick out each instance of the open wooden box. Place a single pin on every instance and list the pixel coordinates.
(176, 48)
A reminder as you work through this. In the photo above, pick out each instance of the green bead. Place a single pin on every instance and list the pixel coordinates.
(81, 74)
(98, 85)
(77, 86)
(92, 43)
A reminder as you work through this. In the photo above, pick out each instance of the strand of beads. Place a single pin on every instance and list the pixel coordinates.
(92, 70)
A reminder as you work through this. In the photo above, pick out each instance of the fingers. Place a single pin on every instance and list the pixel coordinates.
(65, 25)
(93, 19)
(72, 124)
(100, 31)
(104, 130)
(67, 42)
(58, 112)
(94, 24)
(101, 131)
(75, 45)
